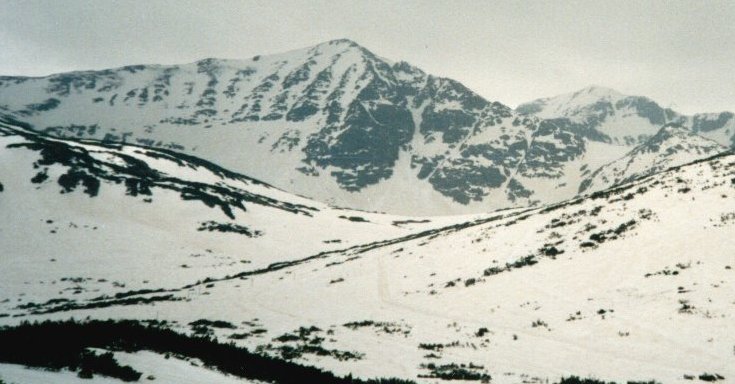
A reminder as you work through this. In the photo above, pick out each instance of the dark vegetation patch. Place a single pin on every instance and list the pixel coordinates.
(578, 380)
(380, 326)
(575, 316)
(669, 271)
(610, 234)
(725, 219)
(520, 263)
(203, 327)
(58, 345)
(31, 305)
(540, 324)
(453, 371)
(245, 335)
(71, 179)
(213, 323)
(710, 377)
(398, 223)
(228, 228)
(550, 251)
(356, 219)
(64, 305)
(438, 347)
(482, 332)
(122, 295)
(40, 177)
(685, 307)
(333, 263)
(306, 341)
(91, 363)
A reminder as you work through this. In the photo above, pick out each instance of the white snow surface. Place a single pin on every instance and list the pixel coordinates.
(630, 283)
(154, 367)
(80, 237)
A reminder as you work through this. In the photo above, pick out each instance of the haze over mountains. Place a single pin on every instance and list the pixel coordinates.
(338, 123)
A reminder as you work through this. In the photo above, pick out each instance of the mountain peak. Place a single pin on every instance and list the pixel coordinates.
(341, 45)
(596, 92)
(568, 104)
(342, 41)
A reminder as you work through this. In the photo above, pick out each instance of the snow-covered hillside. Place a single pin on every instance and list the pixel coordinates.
(85, 218)
(607, 285)
(673, 145)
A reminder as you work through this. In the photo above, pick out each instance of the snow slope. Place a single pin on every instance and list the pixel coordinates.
(90, 219)
(673, 145)
(630, 283)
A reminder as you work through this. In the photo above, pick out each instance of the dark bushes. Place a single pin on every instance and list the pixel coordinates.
(63, 344)
(105, 365)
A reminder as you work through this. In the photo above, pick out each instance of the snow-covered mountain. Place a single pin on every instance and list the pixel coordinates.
(603, 285)
(673, 145)
(334, 122)
(626, 120)
(339, 124)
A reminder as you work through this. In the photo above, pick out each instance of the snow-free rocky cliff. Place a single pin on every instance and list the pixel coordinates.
(339, 124)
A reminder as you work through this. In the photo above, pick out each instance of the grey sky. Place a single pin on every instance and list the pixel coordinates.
(676, 52)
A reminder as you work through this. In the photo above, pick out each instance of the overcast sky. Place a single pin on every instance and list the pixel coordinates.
(680, 53)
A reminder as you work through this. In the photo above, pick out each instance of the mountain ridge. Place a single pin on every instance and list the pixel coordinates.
(336, 123)
(673, 145)
(609, 110)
